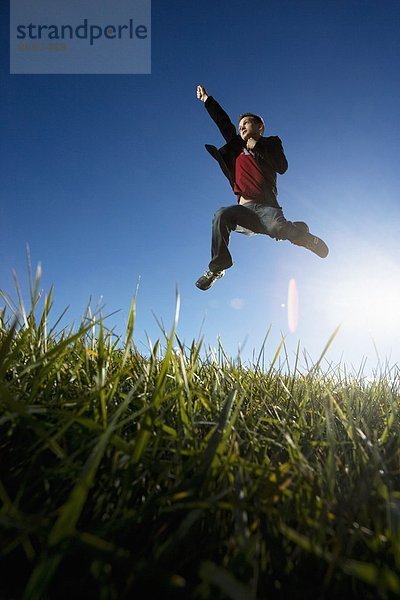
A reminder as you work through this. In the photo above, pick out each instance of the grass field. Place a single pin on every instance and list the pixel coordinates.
(185, 474)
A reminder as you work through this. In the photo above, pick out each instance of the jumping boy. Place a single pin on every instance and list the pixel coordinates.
(250, 162)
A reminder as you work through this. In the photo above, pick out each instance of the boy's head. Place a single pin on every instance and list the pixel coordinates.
(251, 126)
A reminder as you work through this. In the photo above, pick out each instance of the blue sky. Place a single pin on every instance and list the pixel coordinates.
(107, 179)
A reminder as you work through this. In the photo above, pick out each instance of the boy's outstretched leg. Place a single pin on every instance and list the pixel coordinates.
(298, 233)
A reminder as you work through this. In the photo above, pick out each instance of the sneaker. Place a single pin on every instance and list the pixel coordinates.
(314, 244)
(303, 227)
(288, 233)
(208, 279)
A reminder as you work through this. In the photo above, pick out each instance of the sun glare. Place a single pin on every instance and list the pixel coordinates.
(293, 306)
(367, 297)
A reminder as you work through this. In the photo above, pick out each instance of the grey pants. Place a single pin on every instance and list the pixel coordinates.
(249, 219)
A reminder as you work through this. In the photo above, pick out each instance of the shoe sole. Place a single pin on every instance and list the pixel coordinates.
(201, 287)
(316, 245)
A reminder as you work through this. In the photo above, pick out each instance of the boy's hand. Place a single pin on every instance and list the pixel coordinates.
(201, 93)
(251, 142)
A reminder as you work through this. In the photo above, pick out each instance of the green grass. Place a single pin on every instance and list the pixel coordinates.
(186, 474)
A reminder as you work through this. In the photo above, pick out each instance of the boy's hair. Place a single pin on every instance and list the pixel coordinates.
(257, 118)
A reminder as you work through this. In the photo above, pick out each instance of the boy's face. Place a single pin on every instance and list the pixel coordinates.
(249, 128)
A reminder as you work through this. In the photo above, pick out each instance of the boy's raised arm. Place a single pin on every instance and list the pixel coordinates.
(217, 113)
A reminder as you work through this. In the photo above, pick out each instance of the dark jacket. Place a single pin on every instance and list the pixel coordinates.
(268, 151)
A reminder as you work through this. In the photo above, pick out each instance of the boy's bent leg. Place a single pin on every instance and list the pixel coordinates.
(226, 220)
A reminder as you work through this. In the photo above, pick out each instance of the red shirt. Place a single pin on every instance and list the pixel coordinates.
(249, 179)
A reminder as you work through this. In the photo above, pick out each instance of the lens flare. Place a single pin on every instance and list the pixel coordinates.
(293, 306)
